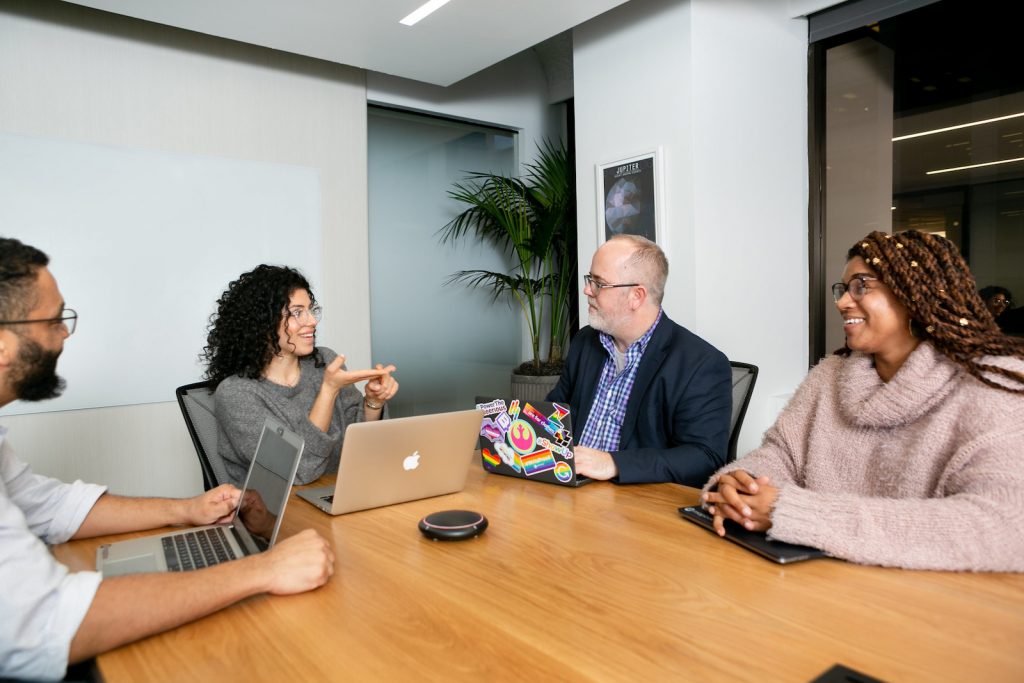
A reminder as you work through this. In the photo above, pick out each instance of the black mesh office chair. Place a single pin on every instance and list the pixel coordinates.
(196, 402)
(744, 375)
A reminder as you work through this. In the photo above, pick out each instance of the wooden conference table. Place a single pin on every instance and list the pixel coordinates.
(598, 583)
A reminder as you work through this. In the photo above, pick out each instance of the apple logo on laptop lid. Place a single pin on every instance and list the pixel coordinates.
(411, 462)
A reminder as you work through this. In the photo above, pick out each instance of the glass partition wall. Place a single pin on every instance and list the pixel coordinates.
(917, 122)
(450, 343)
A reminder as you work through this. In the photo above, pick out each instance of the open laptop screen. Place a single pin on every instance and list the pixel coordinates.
(268, 483)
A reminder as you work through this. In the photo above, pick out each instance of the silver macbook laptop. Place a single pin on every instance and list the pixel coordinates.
(260, 511)
(393, 461)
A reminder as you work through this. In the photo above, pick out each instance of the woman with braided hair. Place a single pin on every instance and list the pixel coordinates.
(906, 448)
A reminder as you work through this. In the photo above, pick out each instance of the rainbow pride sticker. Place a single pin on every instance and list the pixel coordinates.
(563, 472)
(490, 458)
(538, 462)
(534, 414)
(560, 412)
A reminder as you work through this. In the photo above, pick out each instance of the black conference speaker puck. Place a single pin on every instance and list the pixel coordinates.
(453, 525)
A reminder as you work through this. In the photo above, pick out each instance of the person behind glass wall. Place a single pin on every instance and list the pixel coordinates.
(997, 299)
(261, 353)
(905, 448)
(1000, 302)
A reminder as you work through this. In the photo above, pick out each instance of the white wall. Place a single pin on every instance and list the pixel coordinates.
(76, 74)
(722, 88)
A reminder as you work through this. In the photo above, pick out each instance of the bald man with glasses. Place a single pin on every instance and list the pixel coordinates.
(651, 401)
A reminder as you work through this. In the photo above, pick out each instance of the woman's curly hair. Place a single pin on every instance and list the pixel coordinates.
(242, 337)
(930, 278)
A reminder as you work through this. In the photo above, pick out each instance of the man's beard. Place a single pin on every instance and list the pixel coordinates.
(609, 324)
(35, 376)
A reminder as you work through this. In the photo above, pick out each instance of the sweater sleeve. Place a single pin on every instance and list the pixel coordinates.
(781, 455)
(971, 524)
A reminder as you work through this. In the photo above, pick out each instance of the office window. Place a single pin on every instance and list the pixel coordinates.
(450, 343)
(918, 122)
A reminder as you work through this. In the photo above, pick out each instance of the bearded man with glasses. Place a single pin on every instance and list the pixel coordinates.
(653, 399)
(50, 616)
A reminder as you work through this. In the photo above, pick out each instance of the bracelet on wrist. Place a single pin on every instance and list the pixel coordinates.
(371, 405)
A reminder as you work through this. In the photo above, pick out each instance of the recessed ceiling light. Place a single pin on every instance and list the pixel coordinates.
(962, 125)
(424, 10)
(964, 168)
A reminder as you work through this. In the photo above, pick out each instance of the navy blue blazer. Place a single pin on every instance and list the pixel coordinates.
(676, 426)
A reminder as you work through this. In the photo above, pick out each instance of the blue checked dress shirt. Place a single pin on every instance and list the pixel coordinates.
(613, 389)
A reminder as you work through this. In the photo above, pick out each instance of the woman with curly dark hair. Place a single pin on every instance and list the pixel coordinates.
(261, 352)
(905, 448)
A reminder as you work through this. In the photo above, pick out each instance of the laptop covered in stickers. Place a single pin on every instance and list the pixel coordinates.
(529, 440)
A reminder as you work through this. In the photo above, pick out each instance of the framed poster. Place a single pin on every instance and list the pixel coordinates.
(629, 198)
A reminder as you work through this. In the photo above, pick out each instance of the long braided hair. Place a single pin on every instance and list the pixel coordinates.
(931, 279)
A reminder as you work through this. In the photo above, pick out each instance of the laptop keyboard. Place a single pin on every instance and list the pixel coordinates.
(197, 549)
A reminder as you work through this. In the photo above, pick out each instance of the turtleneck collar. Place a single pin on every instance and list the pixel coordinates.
(924, 379)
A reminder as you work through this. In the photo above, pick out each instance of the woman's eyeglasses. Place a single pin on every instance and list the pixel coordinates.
(855, 287)
(316, 312)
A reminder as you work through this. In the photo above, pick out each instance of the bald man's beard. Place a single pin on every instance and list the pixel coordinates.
(34, 376)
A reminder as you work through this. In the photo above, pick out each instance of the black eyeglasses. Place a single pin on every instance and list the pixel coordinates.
(596, 286)
(855, 287)
(68, 318)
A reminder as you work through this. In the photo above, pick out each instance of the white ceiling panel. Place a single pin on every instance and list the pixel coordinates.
(456, 41)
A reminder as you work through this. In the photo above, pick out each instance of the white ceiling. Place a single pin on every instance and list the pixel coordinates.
(461, 38)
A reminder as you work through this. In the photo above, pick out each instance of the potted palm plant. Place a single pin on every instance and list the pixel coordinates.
(533, 219)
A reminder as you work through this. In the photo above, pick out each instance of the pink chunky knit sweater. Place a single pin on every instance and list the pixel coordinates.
(923, 472)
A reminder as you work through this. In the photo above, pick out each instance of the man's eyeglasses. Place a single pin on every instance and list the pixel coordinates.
(68, 318)
(855, 287)
(596, 286)
(316, 312)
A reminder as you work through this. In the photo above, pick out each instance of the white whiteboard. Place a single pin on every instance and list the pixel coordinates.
(142, 244)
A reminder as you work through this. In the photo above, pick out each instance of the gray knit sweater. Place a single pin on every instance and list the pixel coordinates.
(923, 472)
(243, 404)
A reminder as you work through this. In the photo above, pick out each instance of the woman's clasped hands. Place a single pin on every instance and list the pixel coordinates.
(744, 499)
